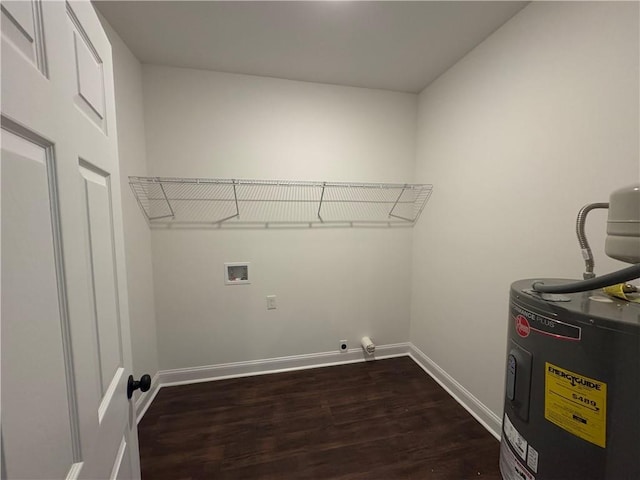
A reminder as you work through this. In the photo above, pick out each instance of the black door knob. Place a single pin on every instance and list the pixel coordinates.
(143, 384)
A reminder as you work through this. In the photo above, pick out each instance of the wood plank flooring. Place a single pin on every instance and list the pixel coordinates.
(383, 420)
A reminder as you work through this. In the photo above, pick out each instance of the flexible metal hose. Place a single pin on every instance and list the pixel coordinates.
(587, 254)
(613, 278)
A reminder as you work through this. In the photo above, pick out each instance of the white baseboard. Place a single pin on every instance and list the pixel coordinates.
(144, 400)
(223, 371)
(185, 376)
(471, 404)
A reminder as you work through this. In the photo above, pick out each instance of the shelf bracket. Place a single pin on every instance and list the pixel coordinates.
(235, 196)
(235, 215)
(391, 214)
(217, 222)
(396, 203)
(321, 197)
(401, 218)
(166, 199)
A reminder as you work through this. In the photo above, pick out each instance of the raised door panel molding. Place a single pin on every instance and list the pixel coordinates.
(22, 28)
(90, 88)
(21, 13)
(90, 81)
(33, 314)
(122, 465)
(97, 195)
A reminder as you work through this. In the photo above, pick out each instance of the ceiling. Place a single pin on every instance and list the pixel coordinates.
(401, 46)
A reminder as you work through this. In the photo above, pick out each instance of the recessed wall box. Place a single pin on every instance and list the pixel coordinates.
(236, 273)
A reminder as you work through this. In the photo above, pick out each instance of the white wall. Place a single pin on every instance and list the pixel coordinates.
(331, 284)
(537, 121)
(132, 157)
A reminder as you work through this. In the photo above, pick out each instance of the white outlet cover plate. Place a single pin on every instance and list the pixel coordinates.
(271, 302)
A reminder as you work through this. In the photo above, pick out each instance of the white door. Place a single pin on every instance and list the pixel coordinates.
(66, 352)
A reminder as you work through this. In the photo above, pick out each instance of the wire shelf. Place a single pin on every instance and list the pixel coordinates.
(216, 201)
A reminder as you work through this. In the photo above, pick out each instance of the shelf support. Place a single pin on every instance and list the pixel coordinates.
(397, 200)
(391, 214)
(226, 218)
(235, 215)
(166, 199)
(401, 218)
(321, 197)
(235, 196)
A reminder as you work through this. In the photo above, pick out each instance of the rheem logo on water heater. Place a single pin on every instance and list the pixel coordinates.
(522, 326)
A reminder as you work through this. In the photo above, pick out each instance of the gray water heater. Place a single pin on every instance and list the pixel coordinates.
(572, 390)
(572, 400)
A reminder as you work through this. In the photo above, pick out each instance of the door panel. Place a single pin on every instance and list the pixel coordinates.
(89, 93)
(89, 67)
(32, 317)
(122, 465)
(21, 14)
(22, 26)
(97, 202)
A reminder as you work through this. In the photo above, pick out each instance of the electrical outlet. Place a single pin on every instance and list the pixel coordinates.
(343, 346)
(271, 302)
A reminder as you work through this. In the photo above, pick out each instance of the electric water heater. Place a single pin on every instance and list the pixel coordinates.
(572, 390)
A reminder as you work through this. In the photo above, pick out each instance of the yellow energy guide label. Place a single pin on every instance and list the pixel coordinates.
(576, 403)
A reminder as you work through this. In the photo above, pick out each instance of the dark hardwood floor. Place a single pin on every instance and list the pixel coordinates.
(376, 420)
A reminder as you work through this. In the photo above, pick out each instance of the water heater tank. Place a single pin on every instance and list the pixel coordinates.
(572, 396)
